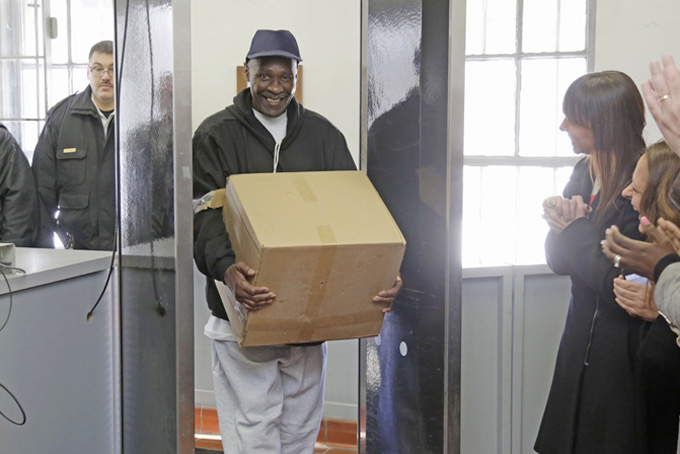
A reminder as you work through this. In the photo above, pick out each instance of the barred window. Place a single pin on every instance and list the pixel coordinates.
(44, 50)
(521, 56)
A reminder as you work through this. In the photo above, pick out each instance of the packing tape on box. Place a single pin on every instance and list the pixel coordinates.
(305, 190)
(324, 265)
(213, 199)
(326, 234)
(286, 324)
(217, 198)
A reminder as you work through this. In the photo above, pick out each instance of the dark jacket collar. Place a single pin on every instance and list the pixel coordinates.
(82, 103)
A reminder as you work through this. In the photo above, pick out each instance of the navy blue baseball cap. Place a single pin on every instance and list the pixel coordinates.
(274, 43)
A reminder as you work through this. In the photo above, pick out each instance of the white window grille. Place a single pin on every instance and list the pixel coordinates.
(44, 48)
(521, 56)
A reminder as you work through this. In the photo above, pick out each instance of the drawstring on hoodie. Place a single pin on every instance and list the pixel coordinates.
(277, 149)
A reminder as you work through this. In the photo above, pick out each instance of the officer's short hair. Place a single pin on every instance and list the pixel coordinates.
(103, 47)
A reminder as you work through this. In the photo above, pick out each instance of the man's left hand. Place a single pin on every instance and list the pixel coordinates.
(388, 296)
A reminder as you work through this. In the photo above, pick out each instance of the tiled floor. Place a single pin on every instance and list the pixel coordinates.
(336, 436)
(327, 450)
(317, 450)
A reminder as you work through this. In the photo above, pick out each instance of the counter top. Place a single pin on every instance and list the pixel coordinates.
(45, 266)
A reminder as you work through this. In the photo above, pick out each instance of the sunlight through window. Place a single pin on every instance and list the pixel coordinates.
(515, 156)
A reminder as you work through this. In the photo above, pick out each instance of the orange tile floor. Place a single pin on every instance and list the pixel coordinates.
(336, 436)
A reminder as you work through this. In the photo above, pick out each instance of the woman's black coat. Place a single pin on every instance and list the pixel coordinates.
(591, 405)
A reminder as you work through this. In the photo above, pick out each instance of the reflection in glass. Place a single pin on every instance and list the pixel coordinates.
(490, 27)
(490, 108)
(543, 85)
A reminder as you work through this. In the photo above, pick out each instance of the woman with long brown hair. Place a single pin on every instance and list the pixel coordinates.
(590, 407)
(653, 194)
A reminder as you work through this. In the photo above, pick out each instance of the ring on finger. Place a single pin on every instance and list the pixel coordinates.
(664, 97)
(617, 261)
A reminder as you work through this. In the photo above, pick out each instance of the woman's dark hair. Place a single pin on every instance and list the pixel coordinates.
(659, 199)
(610, 105)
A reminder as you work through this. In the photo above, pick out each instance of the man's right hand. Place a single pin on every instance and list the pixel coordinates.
(639, 257)
(253, 298)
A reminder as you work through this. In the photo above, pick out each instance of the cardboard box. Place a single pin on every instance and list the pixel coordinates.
(323, 243)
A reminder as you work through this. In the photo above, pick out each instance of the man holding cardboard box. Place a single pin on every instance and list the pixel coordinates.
(269, 399)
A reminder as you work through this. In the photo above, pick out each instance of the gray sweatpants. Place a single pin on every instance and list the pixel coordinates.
(269, 399)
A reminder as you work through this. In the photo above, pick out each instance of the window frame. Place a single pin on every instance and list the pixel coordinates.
(519, 57)
(39, 57)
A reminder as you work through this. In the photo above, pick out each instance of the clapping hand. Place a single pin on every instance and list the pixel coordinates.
(637, 256)
(662, 94)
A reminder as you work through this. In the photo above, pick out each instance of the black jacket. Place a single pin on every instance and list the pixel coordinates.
(658, 387)
(18, 198)
(74, 170)
(591, 404)
(233, 141)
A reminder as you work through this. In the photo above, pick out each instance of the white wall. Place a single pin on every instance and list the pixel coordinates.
(328, 34)
(630, 33)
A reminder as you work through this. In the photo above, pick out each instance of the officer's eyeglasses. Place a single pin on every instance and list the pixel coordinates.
(99, 72)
